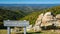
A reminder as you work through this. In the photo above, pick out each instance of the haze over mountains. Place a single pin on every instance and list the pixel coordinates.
(26, 8)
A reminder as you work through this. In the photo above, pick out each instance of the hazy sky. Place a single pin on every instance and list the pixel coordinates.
(29, 1)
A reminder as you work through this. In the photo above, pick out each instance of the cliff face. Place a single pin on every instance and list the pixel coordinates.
(47, 19)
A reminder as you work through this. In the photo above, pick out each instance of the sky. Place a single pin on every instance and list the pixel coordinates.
(29, 1)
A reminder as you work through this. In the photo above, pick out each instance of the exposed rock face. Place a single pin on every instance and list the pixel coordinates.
(38, 22)
(46, 19)
(58, 16)
(29, 27)
(58, 20)
(36, 28)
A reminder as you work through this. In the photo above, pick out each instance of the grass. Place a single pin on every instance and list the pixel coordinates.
(3, 31)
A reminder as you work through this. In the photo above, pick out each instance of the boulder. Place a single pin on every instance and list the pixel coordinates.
(47, 19)
(36, 28)
(57, 23)
(29, 27)
(58, 16)
(43, 20)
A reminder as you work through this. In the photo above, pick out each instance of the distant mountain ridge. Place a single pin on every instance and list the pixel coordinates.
(27, 8)
(28, 4)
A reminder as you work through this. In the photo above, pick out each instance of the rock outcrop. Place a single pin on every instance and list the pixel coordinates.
(58, 20)
(29, 27)
(46, 19)
(38, 22)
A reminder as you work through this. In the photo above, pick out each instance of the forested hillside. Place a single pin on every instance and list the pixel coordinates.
(33, 16)
(10, 15)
